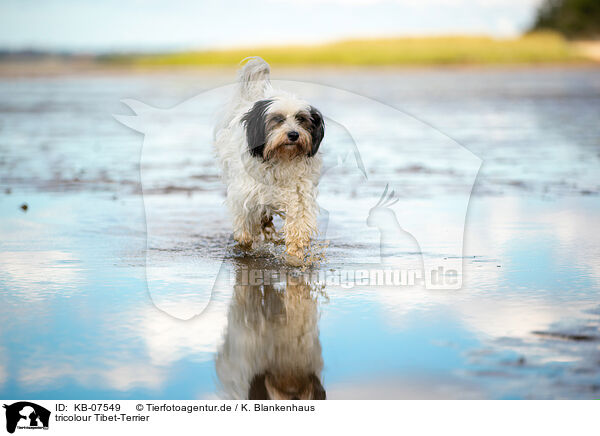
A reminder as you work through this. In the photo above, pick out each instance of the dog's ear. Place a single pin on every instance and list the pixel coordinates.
(317, 129)
(258, 388)
(254, 121)
(318, 390)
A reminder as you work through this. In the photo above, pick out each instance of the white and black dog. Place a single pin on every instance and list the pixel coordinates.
(271, 348)
(267, 143)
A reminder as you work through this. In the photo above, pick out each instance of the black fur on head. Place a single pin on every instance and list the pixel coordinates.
(317, 129)
(258, 389)
(254, 121)
(318, 391)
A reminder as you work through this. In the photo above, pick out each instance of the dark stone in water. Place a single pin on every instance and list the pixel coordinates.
(521, 361)
(24, 207)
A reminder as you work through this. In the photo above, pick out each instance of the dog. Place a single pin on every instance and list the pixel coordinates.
(271, 349)
(267, 144)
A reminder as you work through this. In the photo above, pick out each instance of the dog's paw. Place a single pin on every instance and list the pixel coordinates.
(244, 241)
(270, 234)
(294, 260)
(245, 247)
(294, 255)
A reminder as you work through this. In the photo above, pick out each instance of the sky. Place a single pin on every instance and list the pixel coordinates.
(151, 25)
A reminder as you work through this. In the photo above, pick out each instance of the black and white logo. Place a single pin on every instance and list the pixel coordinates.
(26, 415)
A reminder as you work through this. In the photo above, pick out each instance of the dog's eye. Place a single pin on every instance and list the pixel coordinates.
(301, 118)
(277, 119)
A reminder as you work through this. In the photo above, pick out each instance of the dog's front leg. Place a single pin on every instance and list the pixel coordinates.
(300, 224)
(243, 237)
(246, 227)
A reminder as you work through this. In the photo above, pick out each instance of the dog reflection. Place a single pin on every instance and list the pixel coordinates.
(271, 348)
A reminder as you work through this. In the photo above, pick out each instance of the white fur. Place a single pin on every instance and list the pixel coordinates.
(275, 332)
(257, 188)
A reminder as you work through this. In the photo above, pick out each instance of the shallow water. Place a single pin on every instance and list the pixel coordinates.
(84, 317)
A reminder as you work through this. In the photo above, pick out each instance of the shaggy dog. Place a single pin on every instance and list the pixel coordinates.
(271, 348)
(267, 142)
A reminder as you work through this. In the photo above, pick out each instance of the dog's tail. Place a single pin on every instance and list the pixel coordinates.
(253, 79)
(253, 84)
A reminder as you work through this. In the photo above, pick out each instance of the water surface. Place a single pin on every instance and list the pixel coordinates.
(78, 321)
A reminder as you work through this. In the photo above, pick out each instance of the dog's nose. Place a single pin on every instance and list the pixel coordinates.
(293, 136)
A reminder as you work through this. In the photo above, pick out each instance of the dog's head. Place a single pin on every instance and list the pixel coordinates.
(268, 386)
(283, 128)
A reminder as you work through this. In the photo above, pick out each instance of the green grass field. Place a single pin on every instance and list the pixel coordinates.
(529, 49)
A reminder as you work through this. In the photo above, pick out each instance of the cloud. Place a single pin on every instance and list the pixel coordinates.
(119, 377)
(35, 275)
(169, 340)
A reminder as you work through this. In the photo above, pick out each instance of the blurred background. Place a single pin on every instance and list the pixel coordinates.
(515, 82)
(151, 33)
